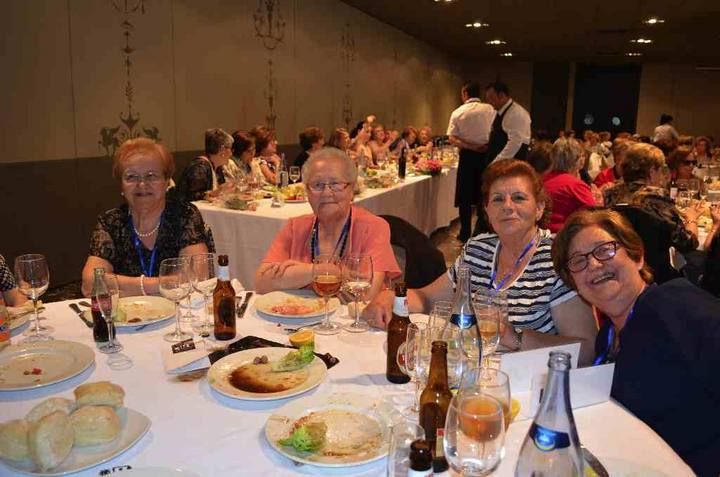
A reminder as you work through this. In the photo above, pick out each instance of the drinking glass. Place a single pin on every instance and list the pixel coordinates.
(327, 280)
(407, 360)
(357, 273)
(492, 382)
(33, 278)
(108, 309)
(187, 315)
(491, 312)
(294, 174)
(204, 279)
(474, 433)
(175, 285)
(440, 313)
(402, 435)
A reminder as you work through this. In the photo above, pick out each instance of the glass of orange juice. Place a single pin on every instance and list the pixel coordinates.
(493, 382)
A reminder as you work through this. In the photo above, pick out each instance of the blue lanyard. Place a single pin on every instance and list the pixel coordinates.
(493, 276)
(138, 248)
(342, 239)
(603, 357)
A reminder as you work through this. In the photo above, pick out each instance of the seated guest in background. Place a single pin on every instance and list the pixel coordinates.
(8, 288)
(607, 177)
(379, 143)
(539, 157)
(682, 165)
(243, 150)
(205, 173)
(663, 339)
(665, 132)
(701, 150)
(566, 191)
(134, 238)
(516, 258)
(311, 139)
(266, 153)
(406, 139)
(334, 227)
(424, 141)
(339, 139)
(359, 145)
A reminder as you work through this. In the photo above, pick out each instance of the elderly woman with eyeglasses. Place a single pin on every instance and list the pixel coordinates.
(663, 339)
(335, 227)
(133, 239)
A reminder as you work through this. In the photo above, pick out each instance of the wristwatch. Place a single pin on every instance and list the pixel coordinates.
(518, 339)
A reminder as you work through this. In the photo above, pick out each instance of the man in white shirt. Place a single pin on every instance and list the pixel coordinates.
(469, 130)
(665, 132)
(510, 136)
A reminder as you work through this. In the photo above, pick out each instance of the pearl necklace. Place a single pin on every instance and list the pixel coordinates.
(146, 234)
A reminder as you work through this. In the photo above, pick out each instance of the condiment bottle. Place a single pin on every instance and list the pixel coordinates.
(421, 464)
(434, 403)
(224, 303)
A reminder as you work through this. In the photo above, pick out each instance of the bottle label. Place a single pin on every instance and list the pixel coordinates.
(223, 273)
(548, 440)
(462, 320)
(439, 443)
(400, 307)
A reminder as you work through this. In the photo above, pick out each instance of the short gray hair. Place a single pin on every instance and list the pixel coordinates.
(331, 154)
(565, 154)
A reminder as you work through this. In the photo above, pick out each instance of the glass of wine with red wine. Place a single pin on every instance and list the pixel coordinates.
(327, 280)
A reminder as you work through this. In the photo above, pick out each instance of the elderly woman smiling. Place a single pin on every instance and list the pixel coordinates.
(133, 239)
(335, 227)
(664, 339)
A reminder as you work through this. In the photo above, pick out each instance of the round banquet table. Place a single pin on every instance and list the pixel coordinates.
(197, 429)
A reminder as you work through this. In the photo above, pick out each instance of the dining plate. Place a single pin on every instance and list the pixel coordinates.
(307, 304)
(220, 373)
(33, 365)
(142, 311)
(624, 468)
(134, 426)
(155, 472)
(358, 428)
(295, 201)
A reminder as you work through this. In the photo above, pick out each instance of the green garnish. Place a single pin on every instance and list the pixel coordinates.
(307, 438)
(295, 359)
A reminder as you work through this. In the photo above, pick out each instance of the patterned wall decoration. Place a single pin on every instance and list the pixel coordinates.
(112, 136)
(347, 55)
(270, 29)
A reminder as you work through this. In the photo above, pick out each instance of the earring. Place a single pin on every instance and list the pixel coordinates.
(122, 194)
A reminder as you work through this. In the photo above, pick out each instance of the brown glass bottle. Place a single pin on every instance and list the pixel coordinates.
(224, 302)
(396, 334)
(434, 403)
(420, 459)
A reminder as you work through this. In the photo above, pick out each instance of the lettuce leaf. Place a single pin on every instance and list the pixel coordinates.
(307, 438)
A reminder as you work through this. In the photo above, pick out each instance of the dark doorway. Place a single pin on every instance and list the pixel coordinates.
(549, 97)
(606, 98)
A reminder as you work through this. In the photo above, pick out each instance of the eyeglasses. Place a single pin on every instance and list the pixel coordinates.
(148, 178)
(602, 253)
(334, 186)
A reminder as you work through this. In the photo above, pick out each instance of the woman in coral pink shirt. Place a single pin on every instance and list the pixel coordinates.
(567, 192)
(335, 227)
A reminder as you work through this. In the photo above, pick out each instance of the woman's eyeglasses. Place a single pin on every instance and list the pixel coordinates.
(148, 178)
(333, 186)
(602, 253)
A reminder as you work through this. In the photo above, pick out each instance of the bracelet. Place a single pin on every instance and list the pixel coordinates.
(142, 285)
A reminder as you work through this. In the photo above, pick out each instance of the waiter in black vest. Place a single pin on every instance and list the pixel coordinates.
(469, 130)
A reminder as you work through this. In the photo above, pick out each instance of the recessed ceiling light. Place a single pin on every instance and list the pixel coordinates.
(443, 1)
(495, 42)
(633, 53)
(643, 41)
(477, 24)
(507, 53)
(654, 21)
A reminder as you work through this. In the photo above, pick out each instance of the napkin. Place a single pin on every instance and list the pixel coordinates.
(182, 359)
(237, 286)
(251, 342)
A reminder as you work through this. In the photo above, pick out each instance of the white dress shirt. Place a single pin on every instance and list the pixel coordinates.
(516, 123)
(472, 121)
(665, 132)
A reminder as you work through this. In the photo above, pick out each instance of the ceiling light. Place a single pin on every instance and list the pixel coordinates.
(443, 1)
(643, 41)
(507, 53)
(476, 25)
(654, 21)
(633, 53)
(495, 42)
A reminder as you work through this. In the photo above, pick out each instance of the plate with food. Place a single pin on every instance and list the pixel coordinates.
(61, 436)
(294, 304)
(265, 374)
(294, 194)
(339, 430)
(33, 365)
(136, 311)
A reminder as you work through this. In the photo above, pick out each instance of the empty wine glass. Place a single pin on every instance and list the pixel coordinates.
(204, 279)
(175, 285)
(357, 272)
(294, 174)
(327, 280)
(407, 356)
(108, 300)
(440, 313)
(33, 278)
(491, 312)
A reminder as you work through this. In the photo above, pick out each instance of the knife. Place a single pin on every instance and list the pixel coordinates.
(79, 312)
(242, 308)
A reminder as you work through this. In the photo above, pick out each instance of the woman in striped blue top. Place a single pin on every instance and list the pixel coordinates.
(516, 258)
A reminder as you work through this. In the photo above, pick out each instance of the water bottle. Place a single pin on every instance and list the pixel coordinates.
(552, 447)
(463, 317)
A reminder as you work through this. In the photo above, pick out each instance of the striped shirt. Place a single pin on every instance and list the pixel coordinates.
(532, 295)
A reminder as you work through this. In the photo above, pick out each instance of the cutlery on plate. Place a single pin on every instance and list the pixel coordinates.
(242, 308)
(295, 330)
(76, 309)
(594, 463)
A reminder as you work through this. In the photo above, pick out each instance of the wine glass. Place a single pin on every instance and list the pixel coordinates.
(108, 302)
(327, 280)
(440, 313)
(204, 279)
(175, 285)
(357, 272)
(294, 174)
(33, 278)
(402, 435)
(490, 307)
(493, 382)
(407, 356)
(474, 433)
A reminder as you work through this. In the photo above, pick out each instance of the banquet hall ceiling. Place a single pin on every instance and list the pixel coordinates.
(587, 30)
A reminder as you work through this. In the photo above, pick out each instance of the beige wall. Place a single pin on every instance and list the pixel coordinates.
(517, 75)
(200, 64)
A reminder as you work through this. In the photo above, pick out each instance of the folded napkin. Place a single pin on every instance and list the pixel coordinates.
(251, 342)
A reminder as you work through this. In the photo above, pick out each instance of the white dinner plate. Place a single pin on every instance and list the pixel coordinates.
(155, 472)
(219, 374)
(53, 361)
(624, 468)
(143, 310)
(295, 201)
(265, 303)
(134, 426)
(376, 415)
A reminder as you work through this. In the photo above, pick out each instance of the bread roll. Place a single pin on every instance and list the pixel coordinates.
(49, 406)
(102, 393)
(14, 440)
(50, 440)
(95, 425)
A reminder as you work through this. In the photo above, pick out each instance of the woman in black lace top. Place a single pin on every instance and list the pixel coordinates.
(133, 239)
(205, 173)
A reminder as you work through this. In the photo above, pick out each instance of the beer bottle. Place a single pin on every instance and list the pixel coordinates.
(551, 446)
(224, 302)
(402, 163)
(434, 403)
(396, 334)
(420, 459)
(100, 294)
(463, 317)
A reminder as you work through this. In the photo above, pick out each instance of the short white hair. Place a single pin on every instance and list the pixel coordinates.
(331, 154)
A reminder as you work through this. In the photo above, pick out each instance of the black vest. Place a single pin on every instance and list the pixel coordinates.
(499, 138)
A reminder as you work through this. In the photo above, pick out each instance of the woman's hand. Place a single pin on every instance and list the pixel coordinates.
(694, 211)
(715, 213)
(379, 311)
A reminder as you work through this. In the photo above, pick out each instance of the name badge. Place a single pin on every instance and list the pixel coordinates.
(187, 345)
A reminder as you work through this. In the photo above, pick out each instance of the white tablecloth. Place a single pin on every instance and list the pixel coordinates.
(195, 428)
(424, 201)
